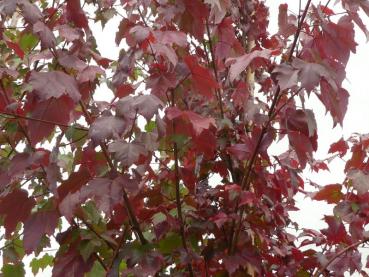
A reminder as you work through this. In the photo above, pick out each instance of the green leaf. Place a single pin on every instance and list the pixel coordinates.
(42, 263)
(171, 242)
(91, 212)
(96, 271)
(150, 126)
(77, 136)
(158, 218)
(11, 270)
(87, 247)
(27, 42)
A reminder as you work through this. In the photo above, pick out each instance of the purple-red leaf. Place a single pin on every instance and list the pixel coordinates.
(15, 207)
(37, 225)
(54, 84)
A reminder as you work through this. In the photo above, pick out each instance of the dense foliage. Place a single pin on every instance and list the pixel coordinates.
(172, 176)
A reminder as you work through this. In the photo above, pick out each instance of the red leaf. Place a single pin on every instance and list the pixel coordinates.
(330, 193)
(107, 127)
(54, 84)
(241, 151)
(127, 153)
(286, 28)
(16, 48)
(124, 90)
(334, 101)
(54, 111)
(71, 263)
(201, 77)
(46, 36)
(340, 146)
(76, 15)
(336, 232)
(239, 64)
(15, 207)
(74, 183)
(38, 225)
(198, 123)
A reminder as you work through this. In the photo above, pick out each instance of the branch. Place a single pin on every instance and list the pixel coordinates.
(343, 251)
(17, 116)
(178, 198)
(246, 178)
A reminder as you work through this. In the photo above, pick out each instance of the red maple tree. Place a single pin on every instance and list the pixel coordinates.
(125, 187)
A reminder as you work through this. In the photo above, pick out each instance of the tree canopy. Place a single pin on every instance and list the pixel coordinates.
(173, 176)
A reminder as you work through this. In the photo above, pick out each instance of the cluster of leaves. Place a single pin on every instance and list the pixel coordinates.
(201, 89)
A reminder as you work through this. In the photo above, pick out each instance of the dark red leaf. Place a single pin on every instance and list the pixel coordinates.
(54, 84)
(54, 111)
(46, 36)
(15, 207)
(37, 225)
(340, 146)
(76, 15)
(107, 127)
(71, 263)
(202, 79)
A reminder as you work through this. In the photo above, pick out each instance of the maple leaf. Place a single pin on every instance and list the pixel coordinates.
(201, 77)
(38, 225)
(71, 263)
(286, 28)
(330, 193)
(74, 183)
(69, 33)
(105, 192)
(239, 64)
(107, 127)
(54, 84)
(340, 146)
(171, 37)
(198, 123)
(336, 232)
(12, 214)
(218, 9)
(71, 61)
(7, 7)
(146, 105)
(31, 12)
(241, 151)
(334, 101)
(75, 14)
(311, 73)
(127, 153)
(16, 48)
(53, 110)
(165, 51)
(360, 181)
(46, 36)
(227, 39)
(287, 76)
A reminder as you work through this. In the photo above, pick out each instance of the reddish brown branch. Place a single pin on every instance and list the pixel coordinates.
(17, 116)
